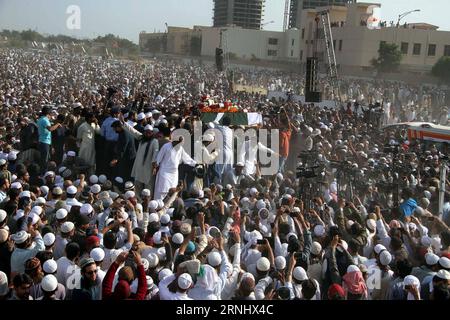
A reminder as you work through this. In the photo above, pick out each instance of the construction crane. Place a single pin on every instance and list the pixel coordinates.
(286, 15)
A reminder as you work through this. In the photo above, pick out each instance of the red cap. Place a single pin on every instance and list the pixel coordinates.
(336, 291)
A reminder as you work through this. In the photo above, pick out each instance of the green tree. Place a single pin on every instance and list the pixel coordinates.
(442, 69)
(389, 57)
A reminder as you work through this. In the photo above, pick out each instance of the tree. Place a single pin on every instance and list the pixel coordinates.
(389, 57)
(442, 69)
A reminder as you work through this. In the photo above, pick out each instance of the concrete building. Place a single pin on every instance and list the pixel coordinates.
(297, 6)
(247, 14)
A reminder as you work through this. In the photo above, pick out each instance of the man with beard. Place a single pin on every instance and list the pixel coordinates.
(90, 285)
(22, 286)
(86, 140)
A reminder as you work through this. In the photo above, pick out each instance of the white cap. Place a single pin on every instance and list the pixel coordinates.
(145, 193)
(34, 218)
(427, 194)
(411, 280)
(67, 227)
(20, 237)
(161, 252)
(352, 268)
(72, 190)
(260, 204)
(444, 262)
(40, 201)
(145, 264)
(93, 179)
(44, 189)
(153, 217)
(214, 258)
(208, 137)
(2, 162)
(319, 230)
(170, 211)
(160, 203)
(49, 283)
(141, 116)
(129, 185)
(4, 288)
(3, 215)
(57, 191)
(98, 254)
(61, 213)
(153, 204)
(426, 241)
(37, 210)
(118, 180)
(49, 174)
(443, 274)
(316, 248)
(177, 238)
(148, 128)
(153, 260)
(371, 224)
(25, 194)
(16, 185)
(164, 273)
(71, 154)
(378, 248)
(431, 259)
(253, 191)
(280, 262)
(165, 218)
(185, 281)
(129, 195)
(96, 188)
(385, 258)
(50, 266)
(263, 264)
(102, 179)
(49, 239)
(86, 209)
(300, 274)
(157, 237)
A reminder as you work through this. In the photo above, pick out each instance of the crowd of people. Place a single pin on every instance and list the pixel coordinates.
(100, 201)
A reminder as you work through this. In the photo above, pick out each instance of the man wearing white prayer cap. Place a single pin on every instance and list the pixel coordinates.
(429, 268)
(27, 245)
(184, 283)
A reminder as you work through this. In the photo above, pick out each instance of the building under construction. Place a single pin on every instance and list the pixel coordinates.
(247, 14)
(296, 7)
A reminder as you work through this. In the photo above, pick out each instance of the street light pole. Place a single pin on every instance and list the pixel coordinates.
(401, 16)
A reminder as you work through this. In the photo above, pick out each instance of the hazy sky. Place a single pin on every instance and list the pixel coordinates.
(127, 18)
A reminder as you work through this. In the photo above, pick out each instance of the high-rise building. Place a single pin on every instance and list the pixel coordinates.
(247, 14)
(295, 10)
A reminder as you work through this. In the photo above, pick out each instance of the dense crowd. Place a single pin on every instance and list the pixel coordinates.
(100, 200)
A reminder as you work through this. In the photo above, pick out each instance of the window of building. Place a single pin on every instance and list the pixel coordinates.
(273, 41)
(292, 53)
(416, 49)
(272, 53)
(340, 45)
(404, 47)
(293, 41)
(431, 50)
(447, 51)
(334, 44)
(303, 33)
(301, 55)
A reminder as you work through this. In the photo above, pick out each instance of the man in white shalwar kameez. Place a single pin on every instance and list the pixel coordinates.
(169, 158)
(86, 141)
(225, 159)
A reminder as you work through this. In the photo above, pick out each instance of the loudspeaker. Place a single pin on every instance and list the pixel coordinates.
(219, 59)
(312, 93)
(313, 96)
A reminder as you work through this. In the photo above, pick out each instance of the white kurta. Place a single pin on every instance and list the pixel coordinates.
(168, 160)
(225, 158)
(86, 133)
(248, 155)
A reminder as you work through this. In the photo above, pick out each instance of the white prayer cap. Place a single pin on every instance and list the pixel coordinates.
(263, 213)
(156, 111)
(443, 274)
(157, 237)
(152, 205)
(177, 238)
(170, 212)
(145, 264)
(427, 194)
(291, 234)
(16, 185)
(431, 259)
(118, 180)
(25, 194)
(148, 115)
(253, 191)
(37, 210)
(412, 226)
(160, 203)
(145, 193)
(164, 273)
(49, 283)
(165, 219)
(349, 223)
(319, 230)
(61, 213)
(44, 190)
(263, 264)
(93, 179)
(385, 258)
(20, 237)
(185, 281)
(352, 268)
(50, 266)
(86, 209)
(141, 116)
(129, 185)
(280, 263)
(371, 224)
(98, 254)
(426, 241)
(260, 204)
(153, 260)
(153, 217)
(411, 280)
(102, 179)
(49, 239)
(67, 227)
(3, 215)
(129, 195)
(72, 190)
(214, 258)
(161, 252)
(436, 243)
(57, 191)
(444, 262)
(208, 137)
(40, 201)
(71, 154)
(316, 248)
(300, 274)
(148, 128)
(34, 218)
(296, 210)
(378, 248)
(96, 188)
(12, 156)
